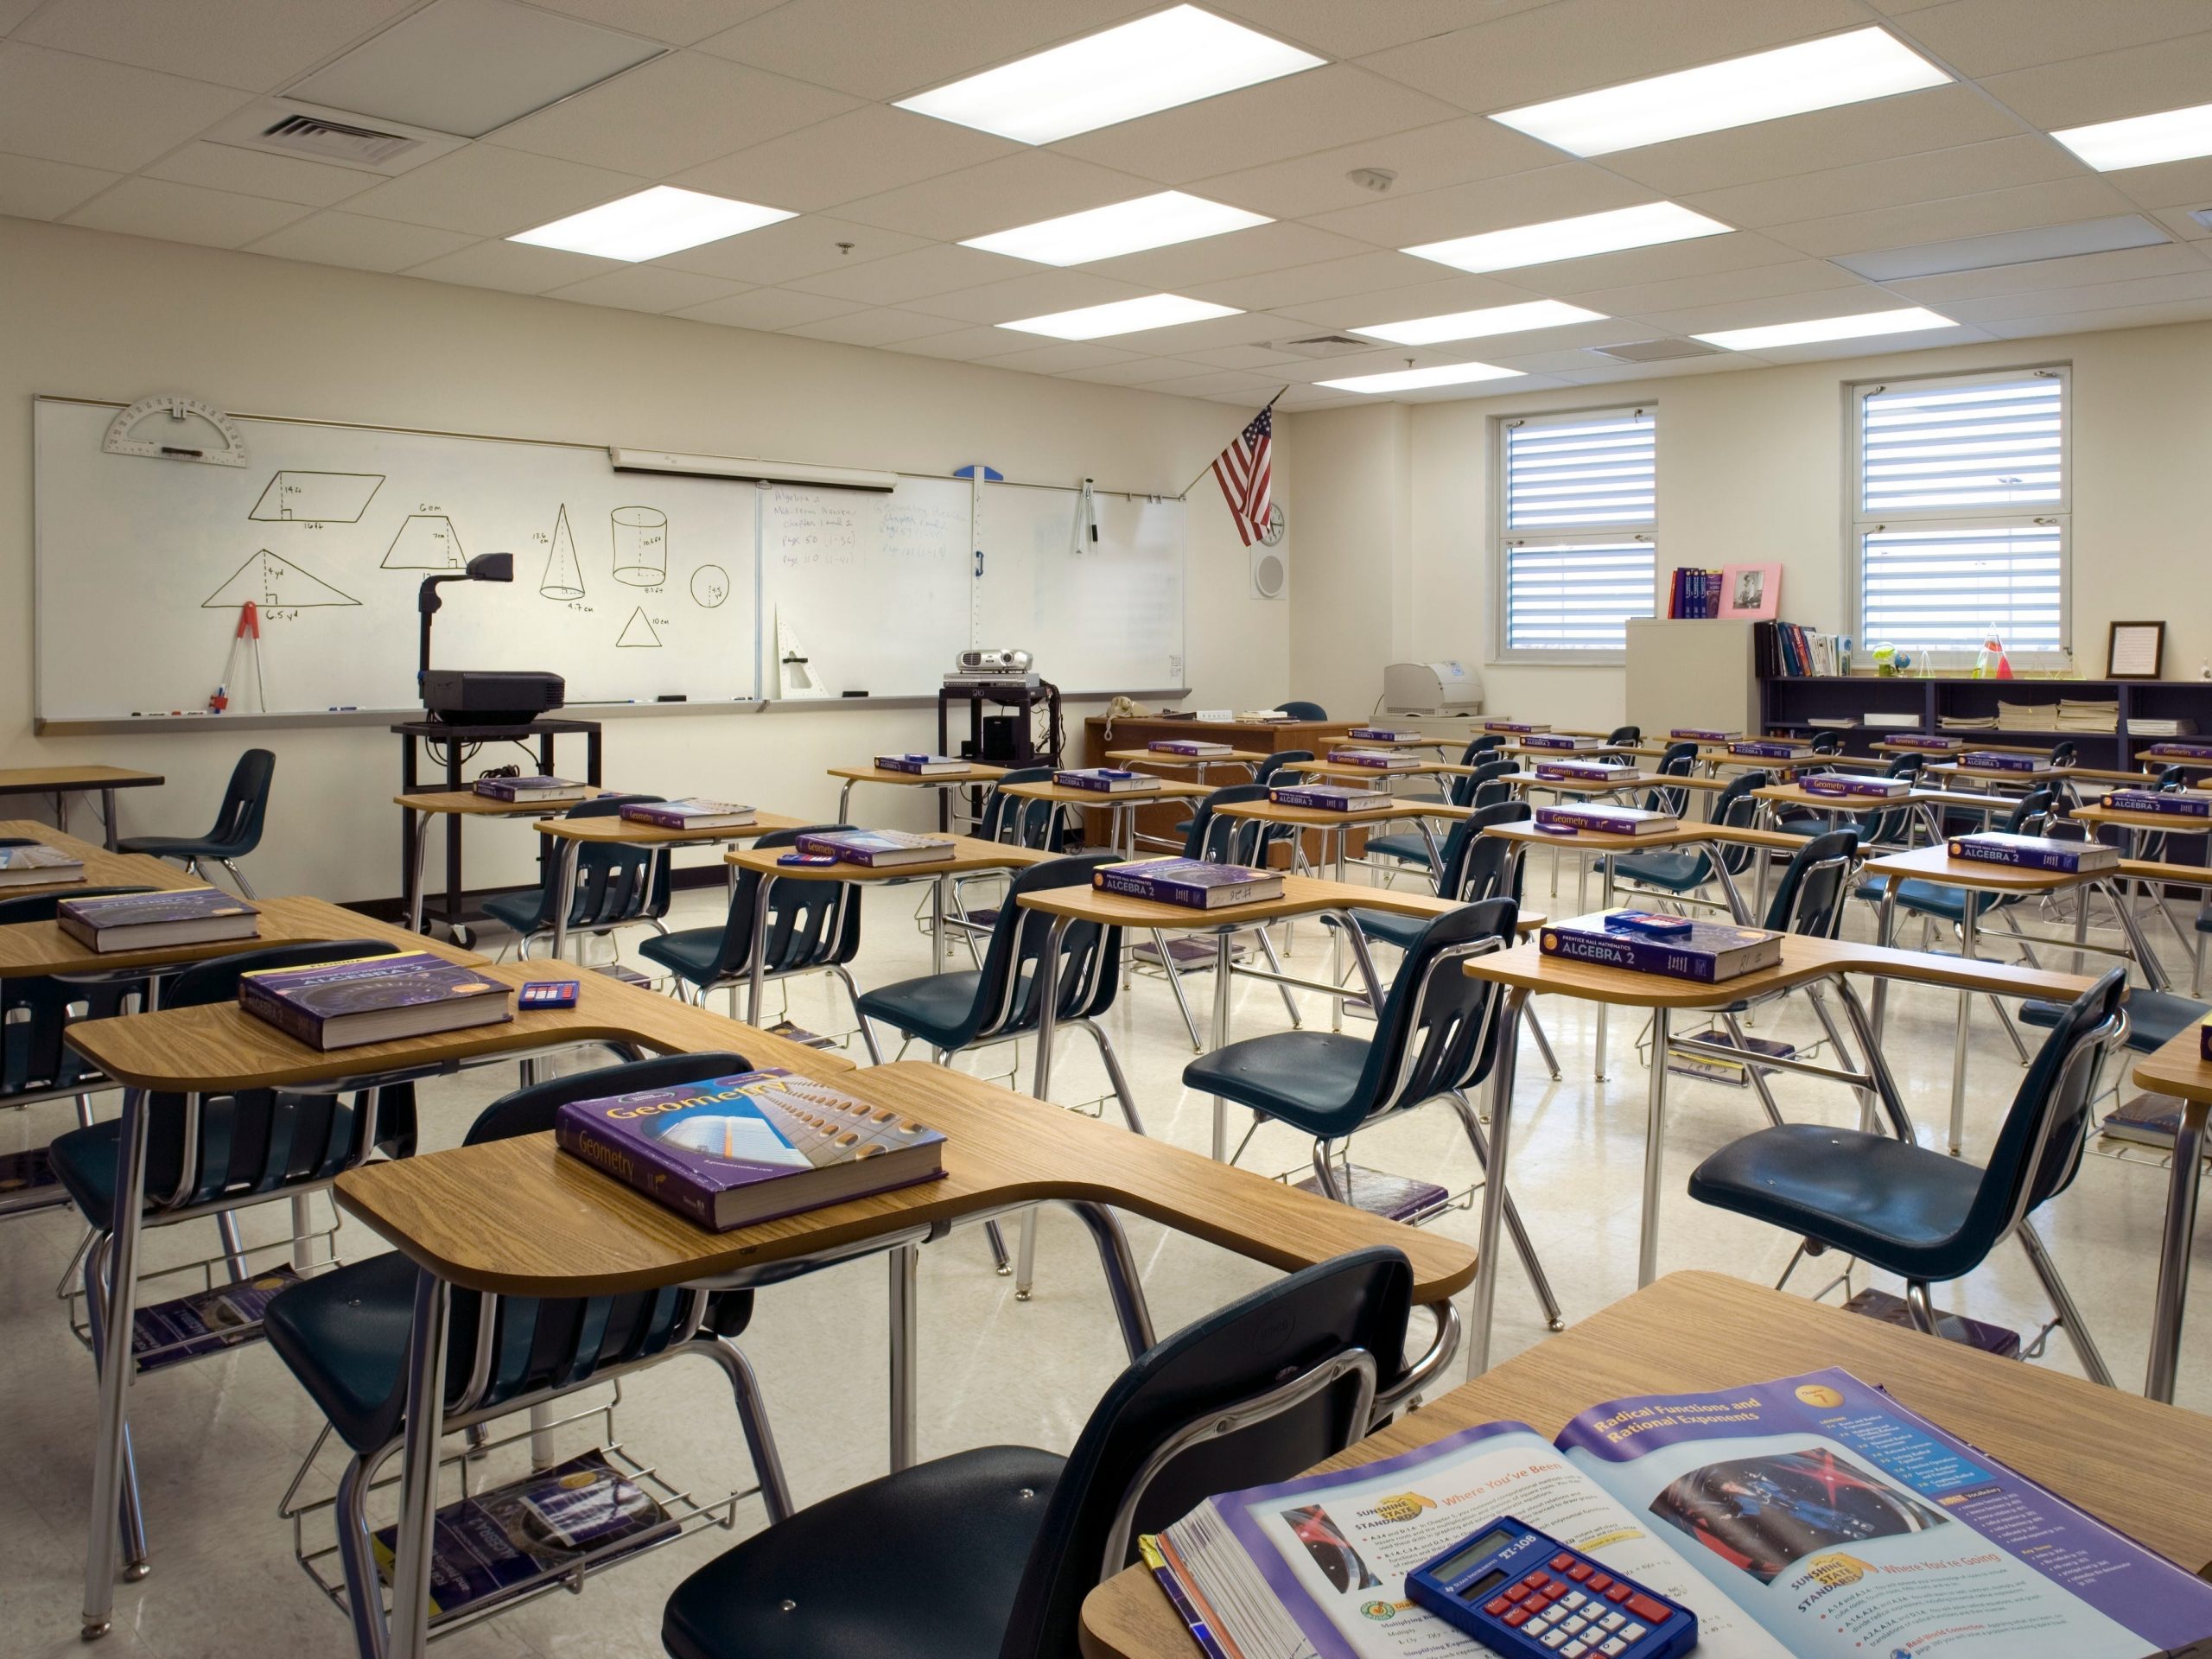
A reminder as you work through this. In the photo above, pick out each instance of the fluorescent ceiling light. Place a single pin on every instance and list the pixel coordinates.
(1125, 227)
(1177, 56)
(1444, 374)
(661, 221)
(1473, 325)
(2006, 248)
(1572, 238)
(1123, 317)
(2142, 140)
(1908, 320)
(1789, 80)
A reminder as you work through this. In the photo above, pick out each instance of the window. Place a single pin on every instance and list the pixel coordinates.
(1961, 511)
(1577, 523)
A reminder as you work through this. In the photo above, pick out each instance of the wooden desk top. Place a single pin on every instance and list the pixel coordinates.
(1526, 967)
(467, 803)
(38, 780)
(1581, 785)
(1686, 834)
(102, 867)
(1936, 864)
(622, 832)
(2178, 1068)
(1697, 1332)
(969, 855)
(563, 1228)
(1993, 774)
(974, 772)
(1302, 895)
(1313, 817)
(40, 948)
(1327, 768)
(1966, 743)
(1796, 794)
(1163, 789)
(2139, 777)
(186, 1051)
(1154, 758)
(2172, 824)
(2147, 869)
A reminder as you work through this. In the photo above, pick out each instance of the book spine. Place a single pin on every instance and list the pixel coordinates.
(1642, 957)
(289, 1017)
(2171, 806)
(1319, 802)
(638, 1166)
(1590, 817)
(1168, 892)
(826, 847)
(2024, 858)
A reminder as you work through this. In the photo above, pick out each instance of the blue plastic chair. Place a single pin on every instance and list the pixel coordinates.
(344, 1335)
(1300, 710)
(1273, 769)
(1680, 761)
(1678, 875)
(1906, 1209)
(237, 825)
(1480, 787)
(618, 885)
(989, 1554)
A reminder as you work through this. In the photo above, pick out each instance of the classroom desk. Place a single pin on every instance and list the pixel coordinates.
(102, 867)
(1262, 737)
(576, 834)
(41, 948)
(62, 782)
(1525, 971)
(1325, 767)
(563, 1228)
(427, 804)
(975, 771)
(1926, 804)
(1965, 742)
(2141, 824)
(2176, 1069)
(1994, 778)
(1697, 1332)
(1121, 823)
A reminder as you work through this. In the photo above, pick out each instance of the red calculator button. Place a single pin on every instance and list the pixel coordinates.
(1651, 1611)
(1599, 1583)
(1516, 1593)
(1495, 1606)
(1537, 1580)
(1618, 1593)
(1563, 1563)
(1517, 1617)
(1579, 1571)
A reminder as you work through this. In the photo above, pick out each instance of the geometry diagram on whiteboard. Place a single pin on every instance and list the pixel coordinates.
(709, 586)
(637, 632)
(640, 546)
(274, 584)
(425, 542)
(316, 498)
(564, 576)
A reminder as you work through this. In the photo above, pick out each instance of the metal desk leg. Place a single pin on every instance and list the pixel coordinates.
(1490, 1236)
(1047, 976)
(107, 817)
(1965, 1015)
(906, 1270)
(1598, 1074)
(418, 1500)
(421, 826)
(757, 969)
(1130, 1311)
(103, 1541)
(1221, 972)
(2081, 891)
(1337, 943)
(845, 800)
(1647, 1259)
(564, 885)
(2180, 1235)
(1885, 926)
(938, 891)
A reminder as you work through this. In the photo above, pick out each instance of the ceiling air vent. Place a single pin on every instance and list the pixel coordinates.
(335, 141)
(1653, 351)
(1324, 346)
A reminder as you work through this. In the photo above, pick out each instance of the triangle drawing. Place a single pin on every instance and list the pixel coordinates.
(564, 576)
(274, 584)
(425, 542)
(637, 632)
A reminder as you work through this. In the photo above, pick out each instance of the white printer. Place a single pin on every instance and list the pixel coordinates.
(1431, 689)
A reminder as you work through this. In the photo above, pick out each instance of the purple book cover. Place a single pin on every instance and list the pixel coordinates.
(509, 789)
(919, 763)
(151, 909)
(1840, 783)
(1329, 798)
(1521, 727)
(1714, 951)
(1768, 749)
(1196, 747)
(1703, 734)
(874, 846)
(1380, 734)
(1560, 741)
(2181, 751)
(299, 1001)
(1106, 781)
(1922, 740)
(685, 814)
(2035, 852)
(1187, 882)
(1992, 760)
(2167, 802)
(1611, 820)
(1597, 771)
(1374, 759)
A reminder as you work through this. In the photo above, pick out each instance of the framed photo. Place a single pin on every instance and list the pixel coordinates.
(2136, 651)
(1752, 592)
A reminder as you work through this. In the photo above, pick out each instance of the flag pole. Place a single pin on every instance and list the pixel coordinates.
(1185, 491)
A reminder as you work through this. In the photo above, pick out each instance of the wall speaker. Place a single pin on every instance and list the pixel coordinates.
(1270, 570)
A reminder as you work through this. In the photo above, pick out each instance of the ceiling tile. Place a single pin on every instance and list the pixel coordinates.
(2083, 322)
(673, 113)
(1987, 37)
(2135, 80)
(1245, 329)
(1719, 287)
(63, 108)
(2094, 296)
(1432, 299)
(1317, 108)
(515, 266)
(805, 246)
(256, 173)
(932, 269)
(1726, 363)
(1336, 30)
(361, 243)
(1062, 356)
(884, 50)
(679, 23)
(1258, 359)
(1714, 316)
(645, 288)
(1304, 398)
(1217, 382)
(1287, 290)
(1932, 175)
(13, 12)
(882, 326)
(36, 189)
(493, 192)
(1016, 189)
(1940, 117)
(961, 345)
(1572, 278)
(184, 212)
(767, 307)
(1135, 371)
(258, 45)
(1425, 158)
(2022, 208)
(862, 153)
(2171, 184)
(2122, 265)
(1264, 248)
(1575, 46)
(1037, 294)
(1564, 191)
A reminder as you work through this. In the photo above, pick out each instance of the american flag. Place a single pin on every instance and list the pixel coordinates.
(1244, 474)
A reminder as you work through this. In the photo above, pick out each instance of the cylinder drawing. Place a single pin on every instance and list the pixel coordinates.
(640, 546)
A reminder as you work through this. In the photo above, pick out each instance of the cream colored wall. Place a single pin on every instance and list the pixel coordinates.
(1751, 470)
(98, 315)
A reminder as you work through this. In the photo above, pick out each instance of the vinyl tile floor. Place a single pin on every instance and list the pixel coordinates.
(219, 1439)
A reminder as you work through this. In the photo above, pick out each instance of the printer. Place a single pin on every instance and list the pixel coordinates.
(1431, 689)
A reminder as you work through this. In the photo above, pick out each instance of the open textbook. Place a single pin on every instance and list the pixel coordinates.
(1809, 1518)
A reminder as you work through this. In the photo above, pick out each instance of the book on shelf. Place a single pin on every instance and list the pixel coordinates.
(1563, 742)
(157, 921)
(226, 1316)
(690, 813)
(1694, 596)
(1808, 1518)
(2036, 852)
(1332, 798)
(1712, 954)
(361, 999)
(1374, 759)
(38, 865)
(1107, 781)
(1614, 773)
(1514, 728)
(1703, 734)
(1191, 882)
(753, 1147)
(2000, 760)
(1607, 820)
(1190, 748)
(1856, 785)
(1789, 651)
(877, 849)
(530, 790)
(923, 765)
(2175, 751)
(2165, 802)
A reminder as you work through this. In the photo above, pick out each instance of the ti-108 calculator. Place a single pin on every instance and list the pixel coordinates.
(1527, 1596)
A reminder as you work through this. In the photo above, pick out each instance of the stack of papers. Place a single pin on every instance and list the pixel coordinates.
(1966, 722)
(2138, 726)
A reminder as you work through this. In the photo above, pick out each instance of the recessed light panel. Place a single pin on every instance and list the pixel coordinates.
(1443, 374)
(1121, 317)
(1910, 320)
(661, 221)
(1126, 227)
(2006, 248)
(2142, 140)
(1473, 325)
(1572, 238)
(1173, 57)
(1811, 75)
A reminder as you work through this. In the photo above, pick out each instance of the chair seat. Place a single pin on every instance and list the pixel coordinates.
(84, 1162)
(1413, 849)
(1897, 1205)
(176, 847)
(924, 1564)
(2154, 1018)
(1387, 925)
(938, 1007)
(344, 1335)
(1922, 898)
(691, 955)
(1803, 824)
(1676, 872)
(520, 913)
(1304, 1078)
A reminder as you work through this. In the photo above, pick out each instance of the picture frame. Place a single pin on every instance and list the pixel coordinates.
(1751, 592)
(2135, 651)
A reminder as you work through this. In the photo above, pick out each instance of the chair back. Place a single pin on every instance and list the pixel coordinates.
(2065, 753)
(1479, 746)
(1266, 771)
(809, 924)
(1809, 897)
(1891, 824)
(245, 804)
(1256, 1393)
(1827, 742)
(616, 882)
(1007, 992)
(1298, 710)
(1017, 820)
(1738, 808)
(1219, 839)
(1473, 866)
(1679, 761)
(1481, 786)
(35, 1013)
(1625, 734)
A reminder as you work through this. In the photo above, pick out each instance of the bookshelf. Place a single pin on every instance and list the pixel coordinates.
(1789, 704)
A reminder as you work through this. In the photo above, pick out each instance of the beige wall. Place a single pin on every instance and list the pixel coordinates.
(1751, 470)
(97, 315)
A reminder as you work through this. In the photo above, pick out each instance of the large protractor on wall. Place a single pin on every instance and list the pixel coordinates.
(171, 428)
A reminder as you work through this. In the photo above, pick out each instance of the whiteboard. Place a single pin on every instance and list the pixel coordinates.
(630, 586)
(1099, 616)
